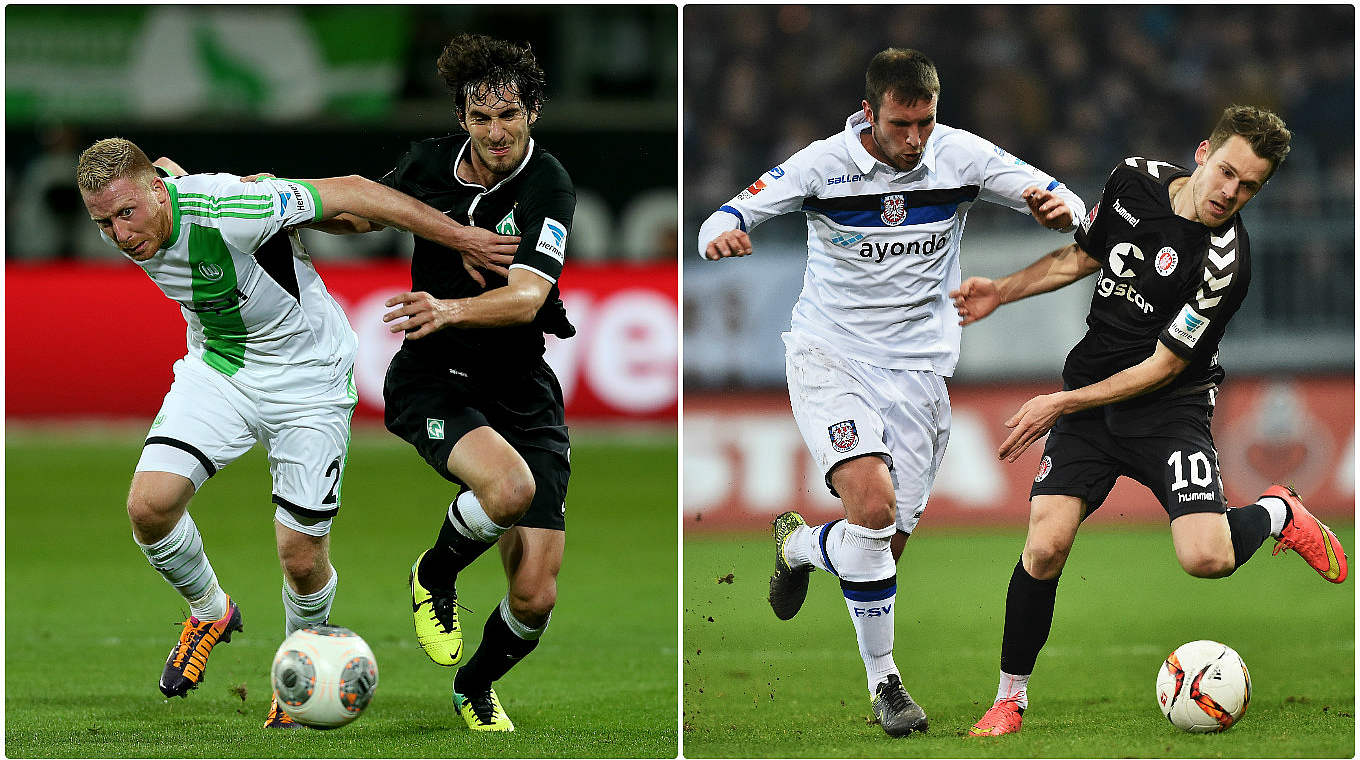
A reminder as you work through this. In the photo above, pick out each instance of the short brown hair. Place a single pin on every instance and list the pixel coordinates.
(110, 159)
(1262, 129)
(908, 75)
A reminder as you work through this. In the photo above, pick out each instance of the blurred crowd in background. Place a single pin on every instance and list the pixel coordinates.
(1071, 89)
(315, 91)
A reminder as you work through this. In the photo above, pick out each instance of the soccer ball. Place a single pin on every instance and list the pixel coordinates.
(324, 676)
(1203, 687)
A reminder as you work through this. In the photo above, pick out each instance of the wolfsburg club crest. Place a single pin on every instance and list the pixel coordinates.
(843, 436)
(894, 209)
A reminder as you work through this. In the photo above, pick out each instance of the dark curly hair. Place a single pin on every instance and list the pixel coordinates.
(472, 63)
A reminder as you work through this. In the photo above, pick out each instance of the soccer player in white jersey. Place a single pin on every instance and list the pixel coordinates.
(873, 334)
(270, 359)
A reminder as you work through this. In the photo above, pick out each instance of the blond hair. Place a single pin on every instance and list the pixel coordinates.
(111, 159)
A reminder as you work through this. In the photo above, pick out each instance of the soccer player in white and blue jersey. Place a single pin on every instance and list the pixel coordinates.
(270, 359)
(874, 335)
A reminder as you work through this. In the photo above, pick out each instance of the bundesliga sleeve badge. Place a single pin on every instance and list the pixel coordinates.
(843, 436)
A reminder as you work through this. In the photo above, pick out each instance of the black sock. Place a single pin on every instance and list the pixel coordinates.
(499, 651)
(451, 552)
(1249, 526)
(1029, 616)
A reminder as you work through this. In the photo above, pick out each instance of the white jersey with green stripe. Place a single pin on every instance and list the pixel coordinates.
(256, 309)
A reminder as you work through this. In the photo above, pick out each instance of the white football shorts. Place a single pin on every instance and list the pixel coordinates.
(847, 409)
(206, 422)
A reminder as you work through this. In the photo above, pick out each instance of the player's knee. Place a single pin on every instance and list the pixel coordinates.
(152, 514)
(1044, 560)
(1202, 564)
(508, 496)
(877, 517)
(304, 563)
(532, 606)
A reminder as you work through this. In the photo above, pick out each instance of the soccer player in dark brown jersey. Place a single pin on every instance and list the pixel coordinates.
(1139, 388)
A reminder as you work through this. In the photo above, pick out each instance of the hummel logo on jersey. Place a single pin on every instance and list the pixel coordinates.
(845, 240)
(1130, 218)
(929, 247)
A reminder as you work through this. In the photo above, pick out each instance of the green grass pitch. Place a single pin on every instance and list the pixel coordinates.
(88, 623)
(758, 687)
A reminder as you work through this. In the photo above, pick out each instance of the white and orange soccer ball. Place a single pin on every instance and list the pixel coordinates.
(324, 676)
(1203, 687)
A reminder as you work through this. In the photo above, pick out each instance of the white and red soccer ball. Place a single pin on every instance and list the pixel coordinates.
(324, 676)
(1203, 687)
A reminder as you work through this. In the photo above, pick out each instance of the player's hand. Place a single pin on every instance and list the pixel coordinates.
(258, 176)
(1047, 209)
(976, 298)
(485, 250)
(424, 314)
(730, 243)
(1034, 419)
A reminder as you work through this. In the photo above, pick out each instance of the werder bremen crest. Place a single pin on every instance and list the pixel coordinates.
(507, 225)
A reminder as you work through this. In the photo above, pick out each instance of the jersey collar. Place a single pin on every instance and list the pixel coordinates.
(865, 161)
(528, 153)
(174, 215)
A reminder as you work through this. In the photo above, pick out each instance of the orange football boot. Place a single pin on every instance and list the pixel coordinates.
(1308, 536)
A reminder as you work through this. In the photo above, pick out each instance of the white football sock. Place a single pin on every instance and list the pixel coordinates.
(1275, 506)
(180, 559)
(863, 559)
(1013, 686)
(801, 545)
(805, 546)
(475, 523)
(516, 627)
(304, 610)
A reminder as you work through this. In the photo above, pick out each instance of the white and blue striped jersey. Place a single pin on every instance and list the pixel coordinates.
(255, 307)
(883, 244)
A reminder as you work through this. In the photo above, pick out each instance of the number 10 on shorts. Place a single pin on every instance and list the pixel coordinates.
(1201, 472)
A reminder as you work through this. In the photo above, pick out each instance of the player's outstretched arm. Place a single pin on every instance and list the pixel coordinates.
(976, 297)
(367, 199)
(1038, 415)
(516, 303)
